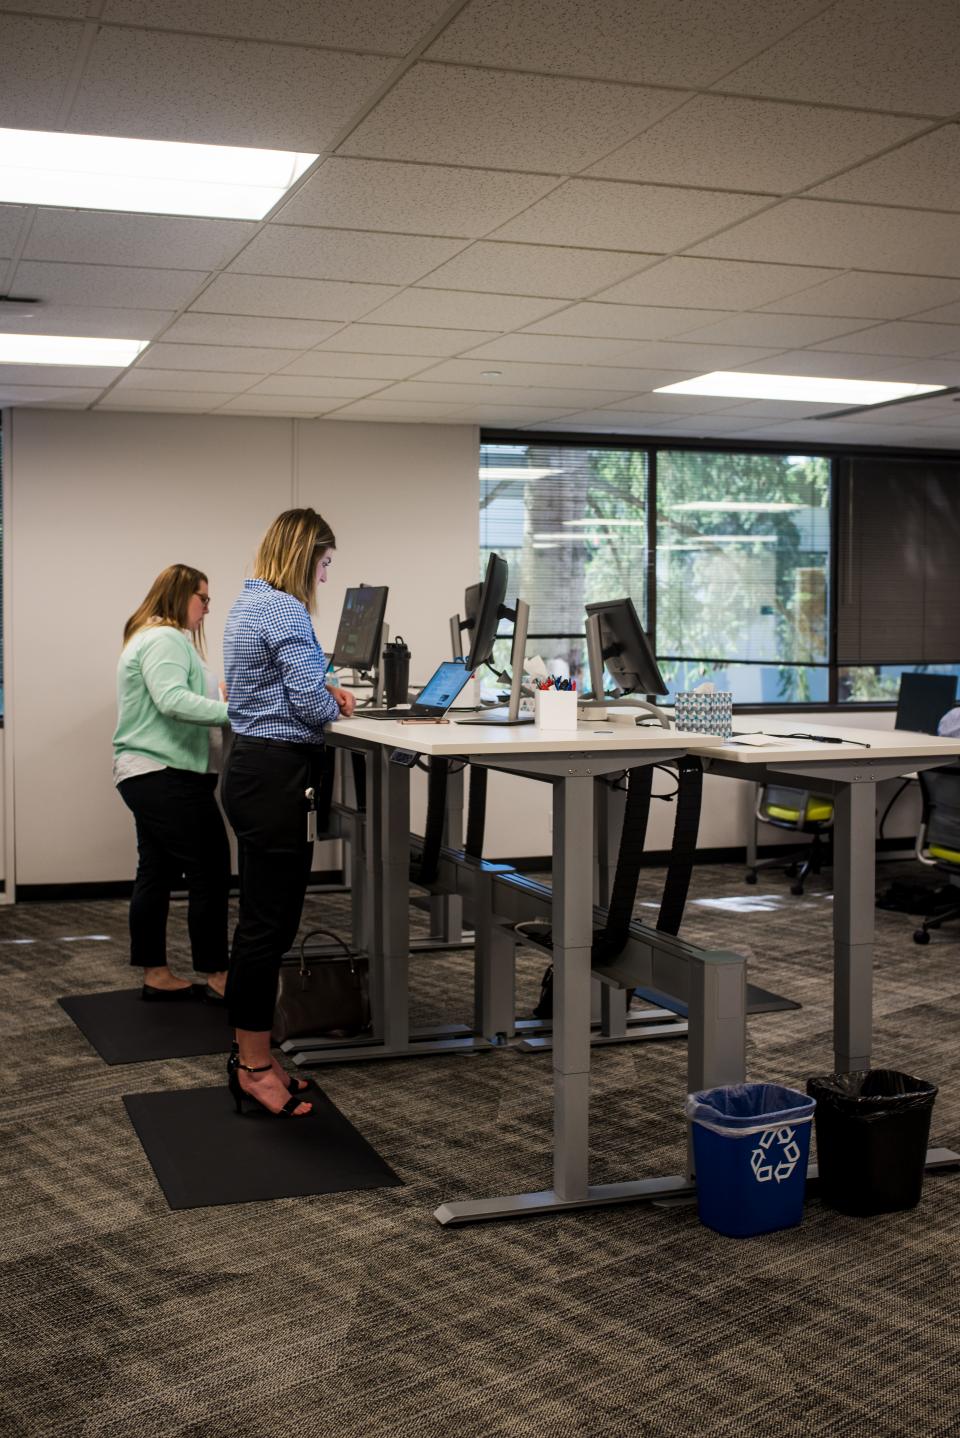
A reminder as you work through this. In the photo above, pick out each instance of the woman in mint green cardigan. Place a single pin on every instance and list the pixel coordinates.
(168, 708)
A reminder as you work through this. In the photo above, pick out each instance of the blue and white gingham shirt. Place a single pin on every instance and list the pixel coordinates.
(274, 668)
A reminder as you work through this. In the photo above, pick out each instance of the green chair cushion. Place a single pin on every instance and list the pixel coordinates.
(818, 812)
(949, 856)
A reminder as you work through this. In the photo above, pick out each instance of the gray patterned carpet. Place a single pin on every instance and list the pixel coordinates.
(355, 1316)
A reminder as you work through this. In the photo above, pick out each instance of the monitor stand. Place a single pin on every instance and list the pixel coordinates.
(511, 714)
(619, 700)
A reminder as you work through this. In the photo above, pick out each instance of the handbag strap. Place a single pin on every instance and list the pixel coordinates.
(348, 953)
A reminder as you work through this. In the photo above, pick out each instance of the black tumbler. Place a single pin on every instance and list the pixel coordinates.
(396, 672)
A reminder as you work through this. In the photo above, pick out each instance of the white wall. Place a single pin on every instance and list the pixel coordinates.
(99, 503)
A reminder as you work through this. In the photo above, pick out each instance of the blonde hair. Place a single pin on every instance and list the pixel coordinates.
(289, 551)
(167, 602)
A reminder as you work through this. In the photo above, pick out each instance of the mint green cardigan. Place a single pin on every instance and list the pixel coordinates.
(163, 711)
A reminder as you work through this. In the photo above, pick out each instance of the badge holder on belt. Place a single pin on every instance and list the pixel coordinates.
(311, 796)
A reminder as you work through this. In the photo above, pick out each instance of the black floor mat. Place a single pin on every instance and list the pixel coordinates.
(125, 1030)
(204, 1153)
(759, 1001)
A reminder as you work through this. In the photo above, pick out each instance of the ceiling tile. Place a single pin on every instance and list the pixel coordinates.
(214, 329)
(36, 58)
(556, 375)
(551, 349)
(405, 340)
(296, 299)
(860, 237)
(626, 322)
(878, 54)
(56, 375)
(534, 269)
(65, 9)
(378, 409)
(510, 416)
(712, 284)
(783, 331)
(706, 426)
(816, 362)
(240, 359)
(619, 421)
(380, 25)
(678, 404)
(775, 409)
(693, 358)
(318, 386)
(484, 394)
(925, 173)
(447, 309)
(160, 241)
(68, 396)
(184, 379)
(112, 286)
(280, 404)
(725, 143)
(618, 39)
(570, 425)
(360, 366)
(302, 251)
(162, 399)
(448, 114)
(942, 315)
(607, 215)
(419, 199)
(88, 320)
(902, 337)
(11, 218)
(868, 296)
(221, 92)
(916, 371)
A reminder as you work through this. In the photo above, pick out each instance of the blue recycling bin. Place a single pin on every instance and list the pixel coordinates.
(751, 1143)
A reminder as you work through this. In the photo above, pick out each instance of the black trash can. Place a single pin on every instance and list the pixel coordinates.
(872, 1129)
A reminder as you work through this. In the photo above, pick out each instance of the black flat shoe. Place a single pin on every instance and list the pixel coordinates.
(164, 996)
(210, 995)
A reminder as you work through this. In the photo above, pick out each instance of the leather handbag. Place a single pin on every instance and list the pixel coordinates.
(322, 994)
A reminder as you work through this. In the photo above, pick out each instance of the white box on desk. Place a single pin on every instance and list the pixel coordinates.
(556, 709)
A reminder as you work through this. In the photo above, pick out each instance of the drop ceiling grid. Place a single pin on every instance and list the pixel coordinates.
(802, 277)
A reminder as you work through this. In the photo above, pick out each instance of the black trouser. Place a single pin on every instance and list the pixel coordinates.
(264, 794)
(180, 838)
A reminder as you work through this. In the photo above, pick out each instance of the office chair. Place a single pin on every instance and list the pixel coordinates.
(804, 813)
(938, 842)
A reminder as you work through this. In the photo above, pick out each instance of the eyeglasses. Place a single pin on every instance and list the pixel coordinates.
(204, 598)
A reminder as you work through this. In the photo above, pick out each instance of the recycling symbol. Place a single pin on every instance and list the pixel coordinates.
(776, 1155)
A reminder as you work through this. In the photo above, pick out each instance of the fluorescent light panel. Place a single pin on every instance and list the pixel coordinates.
(806, 389)
(69, 349)
(160, 177)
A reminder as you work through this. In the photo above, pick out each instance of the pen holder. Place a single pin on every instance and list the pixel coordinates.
(705, 714)
(556, 709)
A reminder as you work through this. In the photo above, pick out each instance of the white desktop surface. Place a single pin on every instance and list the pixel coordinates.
(592, 736)
(884, 743)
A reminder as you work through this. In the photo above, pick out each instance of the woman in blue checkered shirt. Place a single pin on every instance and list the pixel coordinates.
(279, 704)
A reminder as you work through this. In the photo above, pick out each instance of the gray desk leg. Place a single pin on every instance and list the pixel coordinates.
(610, 1006)
(854, 883)
(495, 966)
(394, 810)
(573, 939)
(752, 827)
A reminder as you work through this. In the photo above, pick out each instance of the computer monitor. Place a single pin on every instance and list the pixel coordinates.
(923, 700)
(625, 650)
(485, 620)
(357, 645)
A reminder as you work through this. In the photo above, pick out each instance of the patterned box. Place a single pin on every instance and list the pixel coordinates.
(705, 713)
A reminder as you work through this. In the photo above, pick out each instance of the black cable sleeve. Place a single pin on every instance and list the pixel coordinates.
(476, 812)
(684, 847)
(429, 866)
(359, 780)
(609, 941)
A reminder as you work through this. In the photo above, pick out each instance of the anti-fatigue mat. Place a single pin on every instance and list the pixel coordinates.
(759, 1001)
(125, 1030)
(204, 1153)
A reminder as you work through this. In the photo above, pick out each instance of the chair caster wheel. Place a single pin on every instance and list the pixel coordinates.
(920, 936)
(791, 871)
(750, 877)
(796, 889)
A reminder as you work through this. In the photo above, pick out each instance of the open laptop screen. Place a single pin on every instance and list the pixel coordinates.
(442, 687)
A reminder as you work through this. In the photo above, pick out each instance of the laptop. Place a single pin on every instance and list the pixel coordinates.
(434, 699)
(923, 700)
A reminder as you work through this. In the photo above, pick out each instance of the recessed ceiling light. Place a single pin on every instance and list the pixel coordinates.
(69, 349)
(809, 389)
(160, 177)
(491, 373)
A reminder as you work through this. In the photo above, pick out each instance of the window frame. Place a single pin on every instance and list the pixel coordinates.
(651, 444)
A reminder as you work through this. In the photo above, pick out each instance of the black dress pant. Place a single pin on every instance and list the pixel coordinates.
(180, 838)
(264, 795)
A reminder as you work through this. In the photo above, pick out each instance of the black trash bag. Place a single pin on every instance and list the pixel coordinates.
(872, 1129)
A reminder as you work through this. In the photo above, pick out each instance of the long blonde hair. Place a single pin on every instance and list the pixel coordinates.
(167, 602)
(289, 551)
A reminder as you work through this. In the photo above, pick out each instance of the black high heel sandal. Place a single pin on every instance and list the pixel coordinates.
(294, 1085)
(238, 1094)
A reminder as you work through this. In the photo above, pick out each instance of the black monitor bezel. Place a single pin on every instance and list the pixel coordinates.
(369, 661)
(910, 678)
(492, 598)
(610, 611)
